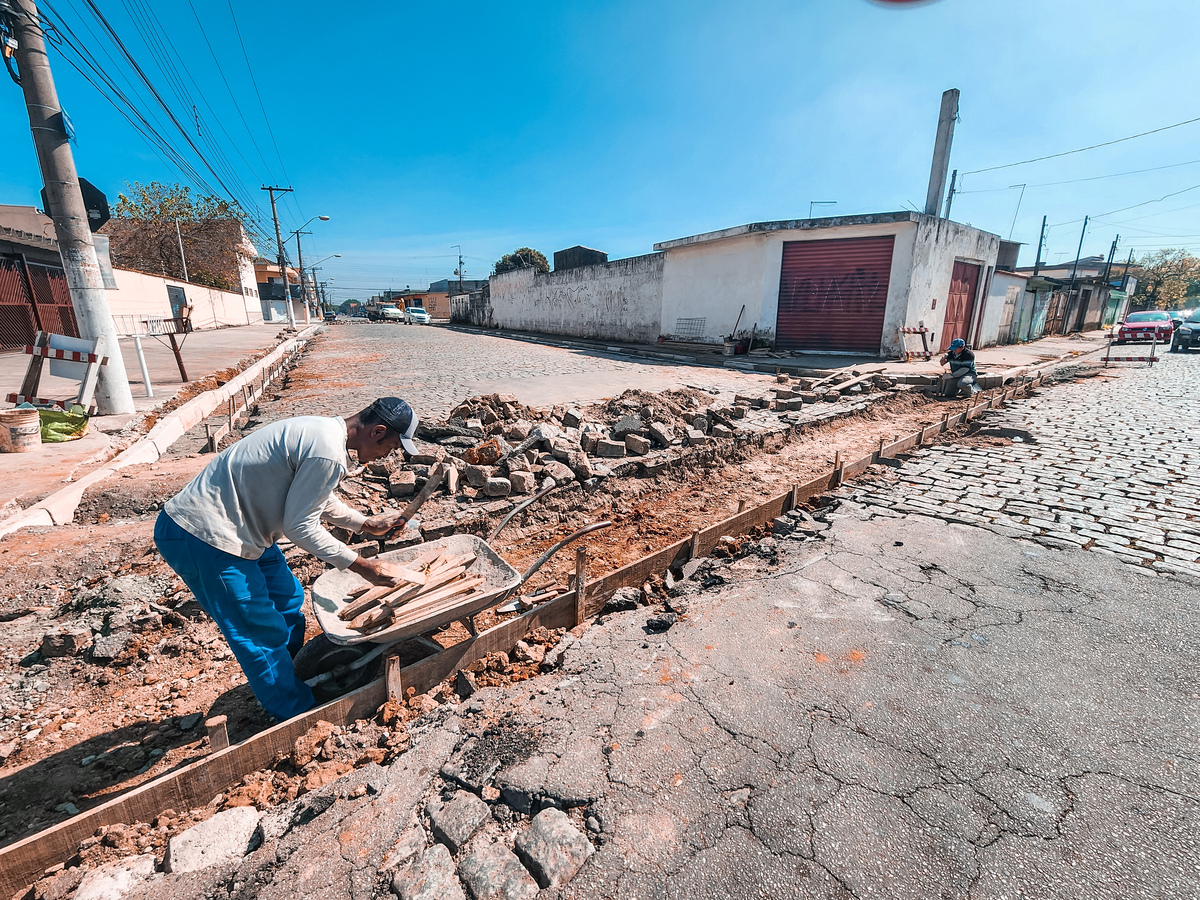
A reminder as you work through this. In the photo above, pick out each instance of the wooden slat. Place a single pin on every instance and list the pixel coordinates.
(193, 785)
(635, 574)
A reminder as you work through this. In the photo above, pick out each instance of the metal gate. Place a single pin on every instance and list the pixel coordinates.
(964, 282)
(833, 294)
(33, 297)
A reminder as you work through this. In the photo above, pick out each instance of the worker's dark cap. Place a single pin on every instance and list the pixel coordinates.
(398, 416)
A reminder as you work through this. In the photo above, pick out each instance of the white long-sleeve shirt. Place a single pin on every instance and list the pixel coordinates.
(277, 482)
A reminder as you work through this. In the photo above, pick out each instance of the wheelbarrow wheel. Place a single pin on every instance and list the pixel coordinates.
(320, 655)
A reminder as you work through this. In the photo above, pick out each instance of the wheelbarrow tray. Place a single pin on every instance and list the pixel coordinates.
(330, 592)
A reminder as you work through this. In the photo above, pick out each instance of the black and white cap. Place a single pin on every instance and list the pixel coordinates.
(399, 417)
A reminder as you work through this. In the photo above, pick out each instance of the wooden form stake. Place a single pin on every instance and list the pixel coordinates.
(218, 733)
(392, 679)
(581, 585)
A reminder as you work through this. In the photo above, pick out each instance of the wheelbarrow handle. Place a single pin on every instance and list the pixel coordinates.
(545, 557)
(520, 506)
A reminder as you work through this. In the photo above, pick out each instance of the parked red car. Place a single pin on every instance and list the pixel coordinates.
(1146, 326)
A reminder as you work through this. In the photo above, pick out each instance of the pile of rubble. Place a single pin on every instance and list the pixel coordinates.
(497, 447)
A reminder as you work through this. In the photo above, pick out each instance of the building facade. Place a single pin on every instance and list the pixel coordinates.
(844, 284)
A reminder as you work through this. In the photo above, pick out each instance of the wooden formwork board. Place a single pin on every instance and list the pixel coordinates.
(197, 783)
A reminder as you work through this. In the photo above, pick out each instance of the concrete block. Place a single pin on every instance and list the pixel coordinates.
(497, 487)
(114, 880)
(662, 433)
(493, 872)
(628, 425)
(589, 441)
(652, 467)
(456, 820)
(70, 642)
(721, 431)
(579, 464)
(223, 838)
(572, 418)
(523, 482)
(609, 449)
(552, 848)
(637, 445)
(695, 438)
(477, 476)
(402, 484)
(560, 472)
(430, 877)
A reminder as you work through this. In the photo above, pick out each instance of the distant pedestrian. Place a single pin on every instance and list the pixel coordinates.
(963, 379)
(220, 534)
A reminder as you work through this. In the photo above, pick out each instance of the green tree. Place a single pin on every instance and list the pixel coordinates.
(143, 236)
(522, 258)
(1164, 279)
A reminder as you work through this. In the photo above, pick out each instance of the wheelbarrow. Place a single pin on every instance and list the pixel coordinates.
(341, 658)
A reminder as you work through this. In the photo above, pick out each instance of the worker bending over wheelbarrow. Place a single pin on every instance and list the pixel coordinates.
(962, 380)
(219, 534)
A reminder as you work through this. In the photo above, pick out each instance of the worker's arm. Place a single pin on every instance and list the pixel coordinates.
(307, 501)
(338, 513)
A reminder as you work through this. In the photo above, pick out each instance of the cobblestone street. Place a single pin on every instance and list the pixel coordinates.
(1112, 470)
(437, 368)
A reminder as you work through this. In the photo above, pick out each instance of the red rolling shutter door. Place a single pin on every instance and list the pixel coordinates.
(833, 294)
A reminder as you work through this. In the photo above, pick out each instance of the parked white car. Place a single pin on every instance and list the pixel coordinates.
(416, 315)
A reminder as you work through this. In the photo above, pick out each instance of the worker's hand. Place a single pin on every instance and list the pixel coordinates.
(383, 524)
(376, 571)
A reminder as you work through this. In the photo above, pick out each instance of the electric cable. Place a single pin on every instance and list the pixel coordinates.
(1131, 137)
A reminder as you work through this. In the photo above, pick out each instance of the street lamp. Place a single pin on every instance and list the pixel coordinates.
(300, 260)
(313, 270)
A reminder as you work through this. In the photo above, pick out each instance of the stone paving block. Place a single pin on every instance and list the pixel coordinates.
(454, 821)
(114, 880)
(552, 848)
(223, 838)
(492, 872)
(430, 877)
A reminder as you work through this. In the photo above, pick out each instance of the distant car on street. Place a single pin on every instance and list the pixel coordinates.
(391, 314)
(1149, 325)
(330, 317)
(1187, 335)
(416, 315)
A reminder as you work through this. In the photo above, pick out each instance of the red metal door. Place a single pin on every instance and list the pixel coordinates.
(833, 294)
(53, 299)
(964, 281)
(17, 324)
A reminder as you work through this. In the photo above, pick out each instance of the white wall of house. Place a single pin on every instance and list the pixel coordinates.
(938, 244)
(620, 300)
(139, 294)
(1005, 292)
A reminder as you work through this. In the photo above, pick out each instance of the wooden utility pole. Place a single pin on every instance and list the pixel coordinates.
(287, 293)
(66, 207)
(1037, 263)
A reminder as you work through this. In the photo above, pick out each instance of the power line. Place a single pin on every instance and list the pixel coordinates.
(237, 30)
(1131, 137)
(1091, 178)
(1113, 212)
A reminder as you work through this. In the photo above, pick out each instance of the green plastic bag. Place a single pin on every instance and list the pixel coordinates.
(59, 425)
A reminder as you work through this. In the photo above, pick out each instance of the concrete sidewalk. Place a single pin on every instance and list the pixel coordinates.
(27, 477)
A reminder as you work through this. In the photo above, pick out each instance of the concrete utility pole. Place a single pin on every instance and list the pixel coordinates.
(1112, 253)
(459, 270)
(287, 294)
(1037, 262)
(182, 258)
(300, 269)
(950, 194)
(941, 152)
(66, 208)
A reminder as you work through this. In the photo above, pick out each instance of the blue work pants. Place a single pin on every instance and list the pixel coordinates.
(257, 605)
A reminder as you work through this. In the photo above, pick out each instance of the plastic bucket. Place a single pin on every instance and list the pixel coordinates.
(20, 430)
(727, 350)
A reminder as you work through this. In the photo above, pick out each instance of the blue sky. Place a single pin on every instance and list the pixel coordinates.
(419, 126)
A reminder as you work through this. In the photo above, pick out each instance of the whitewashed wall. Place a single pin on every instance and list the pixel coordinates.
(1006, 290)
(619, 301)
(139, 294)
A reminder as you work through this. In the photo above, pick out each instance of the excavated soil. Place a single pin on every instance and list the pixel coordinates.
(135, 716)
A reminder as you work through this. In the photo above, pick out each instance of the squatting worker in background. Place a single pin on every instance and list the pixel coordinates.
(963, 376)
(219, 534)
